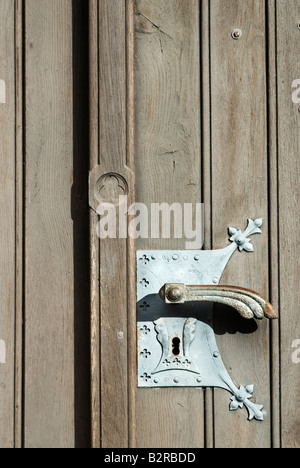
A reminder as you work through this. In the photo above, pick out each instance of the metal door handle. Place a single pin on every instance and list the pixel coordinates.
(177, 345)
(248, 303)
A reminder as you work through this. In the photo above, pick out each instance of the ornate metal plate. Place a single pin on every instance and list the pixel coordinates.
(176, 343)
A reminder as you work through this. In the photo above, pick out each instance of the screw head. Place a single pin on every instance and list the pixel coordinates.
(174, 294)
(236, 34)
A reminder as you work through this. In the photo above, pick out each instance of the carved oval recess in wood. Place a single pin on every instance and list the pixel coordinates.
(109, 187)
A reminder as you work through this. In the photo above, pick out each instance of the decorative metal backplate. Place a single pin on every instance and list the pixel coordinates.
(176, 343)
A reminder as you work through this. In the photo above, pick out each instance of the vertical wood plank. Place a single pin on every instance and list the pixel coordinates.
(168, 169)
(131, 244)
(7, 225)
(240, 190)
(274, 221)
(49, 295)
(288, 36)
(113, 253)
(94, 241)
(207, 178)
(112, 159)
(19, 226)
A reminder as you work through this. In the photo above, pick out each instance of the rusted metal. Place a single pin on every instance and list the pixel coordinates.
(248, 303)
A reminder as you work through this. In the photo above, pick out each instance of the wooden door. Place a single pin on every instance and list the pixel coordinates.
(215, 123)
(165, 101)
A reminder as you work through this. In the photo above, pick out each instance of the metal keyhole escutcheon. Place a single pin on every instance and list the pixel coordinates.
(176, 291)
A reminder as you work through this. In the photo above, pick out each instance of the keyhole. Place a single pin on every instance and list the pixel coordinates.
(176, 346)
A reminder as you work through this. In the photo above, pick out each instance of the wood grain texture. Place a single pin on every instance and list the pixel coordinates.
(94, 241)
(274, 221)
(112, 152)
(240, 190)
(19, 225)
(113, 252)
(168, 169)
(7, 225)
(207, 180)
(49, 295)
(288, 34)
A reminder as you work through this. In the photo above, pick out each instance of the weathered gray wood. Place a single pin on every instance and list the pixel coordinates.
(207, 188)
(19, 224)
(49, 295)
(113, 273)
(94, 241)
(7, 225)
(240, 189)
(288, 36)
(131, 244)
(112, 152)
(273, 222)
(168, 169)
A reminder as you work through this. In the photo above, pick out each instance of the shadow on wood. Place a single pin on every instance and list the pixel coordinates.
(80, 216)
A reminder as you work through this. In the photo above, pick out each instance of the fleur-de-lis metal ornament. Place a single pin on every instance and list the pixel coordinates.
(176, 329)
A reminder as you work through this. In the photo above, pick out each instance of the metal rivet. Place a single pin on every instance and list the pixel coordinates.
(216, 280)
(176, 380)
(175, 257)
(156, 381)
(174, 295)
(216, 355)
(236, 34)
(153, 257)
(199, 379)
(197, 258)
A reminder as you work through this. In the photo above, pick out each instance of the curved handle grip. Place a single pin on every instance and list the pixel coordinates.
(248, 303)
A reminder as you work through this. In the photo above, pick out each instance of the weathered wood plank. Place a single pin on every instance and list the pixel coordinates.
(239, 190)
(94, 241)
(168, 169)
(49, 295)
(113, 252)
(207, 173)
(7, 225)
(111, 161)
(288, 35)
(19, 225)
(273, 202)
